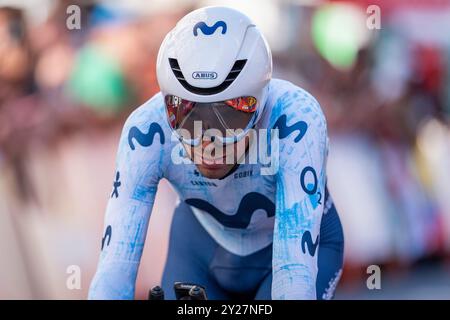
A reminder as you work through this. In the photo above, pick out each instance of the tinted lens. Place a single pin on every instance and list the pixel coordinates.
(177, 110)
(225, 116)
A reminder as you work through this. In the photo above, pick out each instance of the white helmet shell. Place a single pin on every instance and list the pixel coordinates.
(215, 54)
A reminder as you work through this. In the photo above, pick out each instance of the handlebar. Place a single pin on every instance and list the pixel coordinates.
(183, 291)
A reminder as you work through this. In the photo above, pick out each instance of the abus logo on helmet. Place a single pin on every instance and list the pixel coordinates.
(204, 75)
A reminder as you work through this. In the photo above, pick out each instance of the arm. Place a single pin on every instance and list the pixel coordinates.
(299, 198)
(138, 170)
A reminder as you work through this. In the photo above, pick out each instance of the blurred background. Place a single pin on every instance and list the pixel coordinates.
(65, 93)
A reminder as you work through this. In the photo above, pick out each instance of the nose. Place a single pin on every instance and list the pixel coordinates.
(207, 140)
(205, 143)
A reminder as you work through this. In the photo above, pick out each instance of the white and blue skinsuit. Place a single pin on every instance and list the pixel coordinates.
(247, 235)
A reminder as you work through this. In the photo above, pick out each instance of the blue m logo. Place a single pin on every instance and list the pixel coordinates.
(207, 30)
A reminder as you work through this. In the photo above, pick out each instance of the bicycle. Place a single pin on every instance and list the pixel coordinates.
(183, 291)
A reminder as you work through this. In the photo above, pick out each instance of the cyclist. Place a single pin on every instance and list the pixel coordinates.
(242, 229)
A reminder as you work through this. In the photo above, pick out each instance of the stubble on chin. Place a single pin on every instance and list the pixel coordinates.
(215, 173)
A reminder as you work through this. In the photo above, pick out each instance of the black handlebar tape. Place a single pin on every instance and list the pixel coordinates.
(156, 293)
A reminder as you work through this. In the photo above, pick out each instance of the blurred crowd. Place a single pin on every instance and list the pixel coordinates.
(388, 113)
(387, 103)
(55, 80)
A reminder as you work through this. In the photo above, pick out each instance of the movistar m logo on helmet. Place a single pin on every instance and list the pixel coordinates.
(210, 30)
(204, 75)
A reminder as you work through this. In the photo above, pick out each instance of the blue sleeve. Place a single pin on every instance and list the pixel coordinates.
(303, 147)
(138, 171)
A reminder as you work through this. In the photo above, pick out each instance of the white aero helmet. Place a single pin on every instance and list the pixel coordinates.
(215, 56)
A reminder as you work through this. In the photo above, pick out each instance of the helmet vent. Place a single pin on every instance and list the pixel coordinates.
(237, 68)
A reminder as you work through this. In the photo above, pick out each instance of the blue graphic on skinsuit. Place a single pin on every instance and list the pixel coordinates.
(241, 219)
(302, 180)
(116, 186)
(311, 189)
(316, 198)
(145, 139)
(210, 30)
(108, 234)
(285, 130)
(312, 246)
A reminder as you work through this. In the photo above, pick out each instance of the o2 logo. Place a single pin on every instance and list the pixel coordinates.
(311, 188)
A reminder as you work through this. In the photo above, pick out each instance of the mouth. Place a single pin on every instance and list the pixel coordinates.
(211, 167)
(213, 164)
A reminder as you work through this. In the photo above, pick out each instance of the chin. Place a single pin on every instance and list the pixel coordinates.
(214, 173)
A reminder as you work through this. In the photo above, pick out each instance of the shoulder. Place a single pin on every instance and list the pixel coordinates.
(293, 101)
(145, 125)
(151, 110)
(301, 124)
(290, 107)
